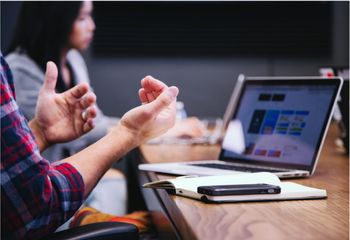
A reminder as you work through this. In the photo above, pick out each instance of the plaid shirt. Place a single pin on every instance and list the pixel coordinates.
(36, 197)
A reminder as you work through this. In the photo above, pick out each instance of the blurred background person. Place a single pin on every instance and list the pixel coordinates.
(58, 32)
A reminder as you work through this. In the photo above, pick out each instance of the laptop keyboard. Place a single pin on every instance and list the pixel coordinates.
(236, 168)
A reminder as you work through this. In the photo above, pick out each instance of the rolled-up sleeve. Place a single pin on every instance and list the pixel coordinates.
(36, 197)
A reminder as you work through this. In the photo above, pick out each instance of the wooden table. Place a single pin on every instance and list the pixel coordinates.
(183, 218)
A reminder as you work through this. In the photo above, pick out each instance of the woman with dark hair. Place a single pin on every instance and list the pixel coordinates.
(53, 31)
(43, 31)
(57, 31)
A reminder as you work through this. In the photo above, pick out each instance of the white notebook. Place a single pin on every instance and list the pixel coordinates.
(187, 186)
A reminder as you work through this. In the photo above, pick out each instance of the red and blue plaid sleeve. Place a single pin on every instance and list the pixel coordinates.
(36, 197)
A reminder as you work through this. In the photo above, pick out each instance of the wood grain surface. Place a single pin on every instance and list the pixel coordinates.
(302, 219)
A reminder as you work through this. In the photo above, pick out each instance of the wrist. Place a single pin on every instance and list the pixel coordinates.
(39, 135)
(127, 136)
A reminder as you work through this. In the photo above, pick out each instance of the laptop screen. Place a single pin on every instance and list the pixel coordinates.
(282, 121)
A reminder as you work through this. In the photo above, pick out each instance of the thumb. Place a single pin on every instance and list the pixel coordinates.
(50, 76)
(164, 99)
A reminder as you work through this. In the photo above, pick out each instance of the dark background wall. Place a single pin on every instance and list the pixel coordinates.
(205, 79)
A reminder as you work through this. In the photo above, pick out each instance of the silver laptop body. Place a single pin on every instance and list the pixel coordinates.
(274, 124)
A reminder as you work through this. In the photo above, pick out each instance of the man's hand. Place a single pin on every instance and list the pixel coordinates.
(62, 117)
(156, 114)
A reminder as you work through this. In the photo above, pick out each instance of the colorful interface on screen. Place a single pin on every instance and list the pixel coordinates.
(282, 123)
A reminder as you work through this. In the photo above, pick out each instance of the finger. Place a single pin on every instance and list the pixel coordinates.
(88, 100)
(50, 76)
(165, 99)
(151, 84)
(78, 91)
(150, 97)
(156, 94)
(84, 115)
(91, 112)
(88, 125)
(142, 96)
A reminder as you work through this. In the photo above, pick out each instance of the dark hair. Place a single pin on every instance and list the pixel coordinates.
(43, 29)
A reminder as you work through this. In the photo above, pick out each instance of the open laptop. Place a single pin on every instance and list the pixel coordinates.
(276, 124)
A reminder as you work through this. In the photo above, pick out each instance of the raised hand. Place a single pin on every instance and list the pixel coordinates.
(62, 117)
(156, 114)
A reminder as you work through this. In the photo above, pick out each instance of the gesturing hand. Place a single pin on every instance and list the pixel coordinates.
(156, 114)
(62, 117)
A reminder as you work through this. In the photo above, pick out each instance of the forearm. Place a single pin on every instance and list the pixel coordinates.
(95, 160)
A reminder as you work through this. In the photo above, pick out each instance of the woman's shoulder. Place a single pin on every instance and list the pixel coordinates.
(19, 61)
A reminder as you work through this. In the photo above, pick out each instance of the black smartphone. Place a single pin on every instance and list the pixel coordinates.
(241, 189)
